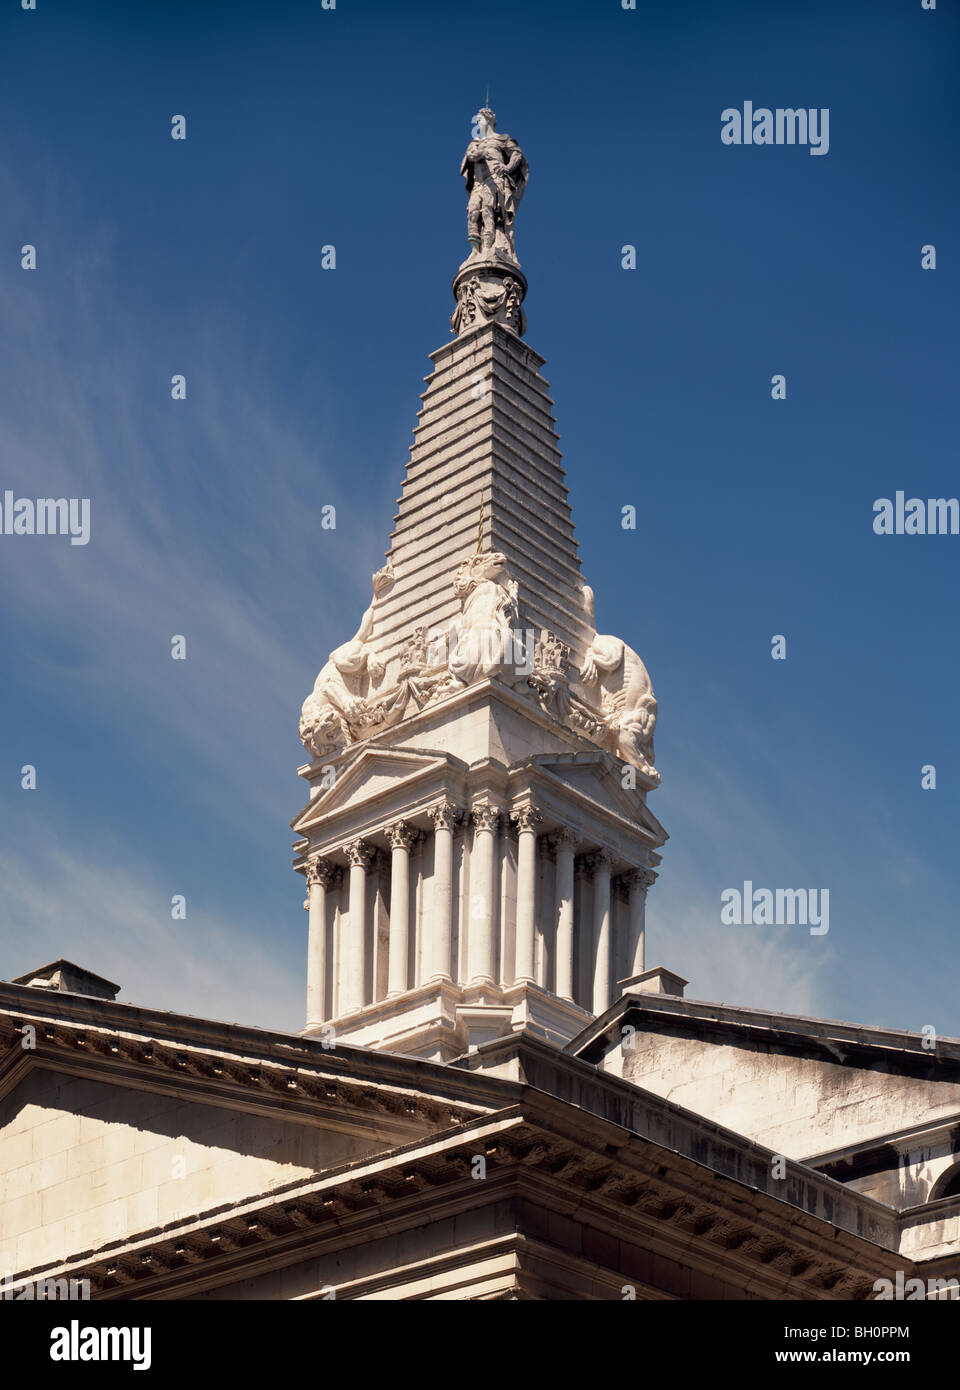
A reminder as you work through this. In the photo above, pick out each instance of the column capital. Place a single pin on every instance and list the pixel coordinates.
(402, 835)
(546, 848)
(485, 817)
(526, 818)
(639, 878)
(564, 838)
(598, 860)
(446, 815)
(360, 854)
(323, 871)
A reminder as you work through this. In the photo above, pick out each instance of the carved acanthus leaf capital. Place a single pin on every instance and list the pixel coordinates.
(402, 835)
(564, 838)
(485, 817)
(599, 860)
(323, 872)
(640, 878)
(526, 818)
(360, 854)
(446, 815)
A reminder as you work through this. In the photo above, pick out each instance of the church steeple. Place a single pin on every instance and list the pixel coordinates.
(477, 843)
(486, 432)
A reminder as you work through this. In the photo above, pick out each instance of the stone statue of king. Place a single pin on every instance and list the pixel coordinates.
(496, 173)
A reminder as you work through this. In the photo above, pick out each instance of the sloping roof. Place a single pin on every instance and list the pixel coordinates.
(853, 1044)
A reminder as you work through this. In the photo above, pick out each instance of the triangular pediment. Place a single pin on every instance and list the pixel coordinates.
(837, 1085)
(596, 776)
(107, 1160)
(374, 774)
(107, 1131)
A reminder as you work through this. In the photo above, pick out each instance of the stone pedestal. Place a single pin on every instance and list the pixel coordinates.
(655, 981)
(488, 291)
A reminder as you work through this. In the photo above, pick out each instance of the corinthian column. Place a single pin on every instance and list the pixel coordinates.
(400, 836)
(566, 843)
(445, 816)
(322, 874)
(481, 945)
(352, 940)
(526, 819)
(638, 881)
(600, 864)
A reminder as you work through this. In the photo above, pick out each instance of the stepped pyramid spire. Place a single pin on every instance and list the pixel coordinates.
(477, 843)
(486, 438)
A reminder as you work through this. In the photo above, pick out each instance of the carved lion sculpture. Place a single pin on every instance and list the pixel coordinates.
(337, 707)
(628, 702)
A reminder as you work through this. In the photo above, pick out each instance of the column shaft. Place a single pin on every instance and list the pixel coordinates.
(401, 837)
(320, 876)
(481, 944)
(444, 817)
(565, 938)
(639, 881)
(526, 820)
(354, 931)
(600, 862)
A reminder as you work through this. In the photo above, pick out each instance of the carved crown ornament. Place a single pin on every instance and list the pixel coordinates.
(609, 701)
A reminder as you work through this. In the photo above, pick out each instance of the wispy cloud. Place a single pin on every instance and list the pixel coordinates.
(112, 919)
(204, 524)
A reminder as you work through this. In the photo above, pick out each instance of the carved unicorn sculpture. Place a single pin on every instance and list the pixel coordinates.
(628, 703)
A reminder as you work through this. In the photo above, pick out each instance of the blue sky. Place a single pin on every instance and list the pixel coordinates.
(307, 127)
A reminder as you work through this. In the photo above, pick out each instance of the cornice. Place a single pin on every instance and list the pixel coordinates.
(227, 1064)
(639, 1192)
(844, 1043)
